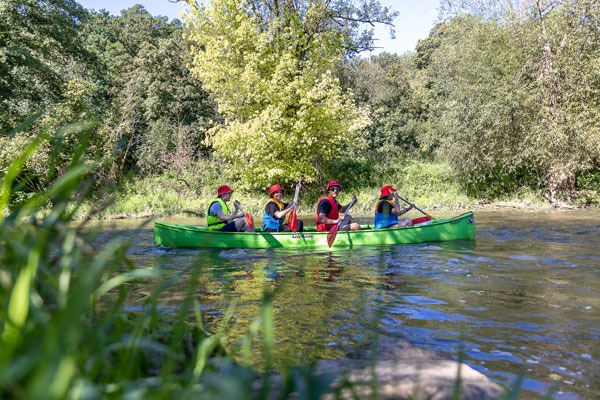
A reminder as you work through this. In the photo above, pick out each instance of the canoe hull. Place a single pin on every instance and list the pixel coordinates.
(461, 227)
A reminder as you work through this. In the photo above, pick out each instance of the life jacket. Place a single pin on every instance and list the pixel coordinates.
(270, 221)
(333, 214)
(385, 220)
(213, 221)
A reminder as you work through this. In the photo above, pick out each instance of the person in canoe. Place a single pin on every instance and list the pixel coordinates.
(275, 212)
(329, 211)
(388, 211)
(218, 217)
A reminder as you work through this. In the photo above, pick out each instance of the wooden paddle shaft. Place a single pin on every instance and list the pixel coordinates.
(297, 191)
(408, 202)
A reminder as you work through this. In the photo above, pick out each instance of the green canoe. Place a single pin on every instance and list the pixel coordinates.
(461, 227)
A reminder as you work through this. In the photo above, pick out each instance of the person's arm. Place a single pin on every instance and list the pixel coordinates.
(323, 209)
(225, 217)
(344, 208)
(288, 208)
(324, 220)
(228, 217)
(397, 209)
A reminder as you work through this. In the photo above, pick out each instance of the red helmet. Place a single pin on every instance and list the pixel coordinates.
(275, 188)
(224, 189)
(332, 184)
(387, 189)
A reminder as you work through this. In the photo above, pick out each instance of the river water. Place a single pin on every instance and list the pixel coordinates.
(521, 301)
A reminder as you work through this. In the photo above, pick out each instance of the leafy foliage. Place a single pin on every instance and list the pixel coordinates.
(269, 66)
(158, 111)
(383, 84)
(65, 331)
(501, 113)
(40, 49)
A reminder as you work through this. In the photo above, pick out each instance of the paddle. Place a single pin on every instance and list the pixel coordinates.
(414, 206)
(248, 217)
(197, 214)
(334, 229)
(293, 220)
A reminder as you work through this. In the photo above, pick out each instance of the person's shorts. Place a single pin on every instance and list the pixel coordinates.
(230, 227)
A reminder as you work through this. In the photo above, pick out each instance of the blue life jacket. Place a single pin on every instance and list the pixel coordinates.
(270, 221)
(384, 220)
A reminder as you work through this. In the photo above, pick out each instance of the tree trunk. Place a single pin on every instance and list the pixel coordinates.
(560, 178)
(561, 182)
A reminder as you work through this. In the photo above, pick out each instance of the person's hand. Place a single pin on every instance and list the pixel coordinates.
(292, 204)
(236, 204)
(354, 199)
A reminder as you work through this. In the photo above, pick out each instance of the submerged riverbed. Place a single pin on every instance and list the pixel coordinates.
(523, 299)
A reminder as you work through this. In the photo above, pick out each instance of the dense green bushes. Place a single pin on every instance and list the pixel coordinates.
(494, 113)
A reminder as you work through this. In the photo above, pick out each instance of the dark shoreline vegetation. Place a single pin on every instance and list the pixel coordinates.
(131, 116)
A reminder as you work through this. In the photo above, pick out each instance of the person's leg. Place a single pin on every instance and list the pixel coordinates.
(284, 228)
(349, 224)
(404, 222)
(242, 225)
(346, 223)
(230, 227)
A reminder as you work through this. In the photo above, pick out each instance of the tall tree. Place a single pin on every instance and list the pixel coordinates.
(45, 69)
(383, 84)
(158, 112)
(40, 50)
(269, 65)
(515, 95)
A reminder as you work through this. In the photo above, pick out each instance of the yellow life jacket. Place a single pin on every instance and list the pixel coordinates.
(213, 221)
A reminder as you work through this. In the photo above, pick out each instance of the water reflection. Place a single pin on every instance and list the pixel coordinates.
(331, 270)
(522, 298)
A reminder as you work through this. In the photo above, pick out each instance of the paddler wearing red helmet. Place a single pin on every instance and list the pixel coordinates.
(329, 210)
(218, 217)
(388, 210)
(276, 211)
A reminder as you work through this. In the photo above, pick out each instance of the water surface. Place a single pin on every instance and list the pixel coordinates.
(523, 298)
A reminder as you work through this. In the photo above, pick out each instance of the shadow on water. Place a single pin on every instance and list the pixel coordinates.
(522, 298)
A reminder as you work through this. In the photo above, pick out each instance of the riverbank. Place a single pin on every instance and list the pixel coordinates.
(434, 191)
(198, 209)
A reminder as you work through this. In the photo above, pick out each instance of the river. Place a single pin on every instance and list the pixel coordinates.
(522, 300)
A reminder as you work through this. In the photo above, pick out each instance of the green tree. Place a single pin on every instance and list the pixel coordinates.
(158, 112)
(514, 96)
(485, 107)
(568, 78)
(383, 84)
(46, 72)
(270, 67)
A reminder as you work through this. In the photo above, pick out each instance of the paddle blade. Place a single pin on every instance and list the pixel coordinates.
(250, 221)
(331, 235)
(293, 221)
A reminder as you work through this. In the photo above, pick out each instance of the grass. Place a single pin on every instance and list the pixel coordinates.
(65, 330)
(430, 186)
